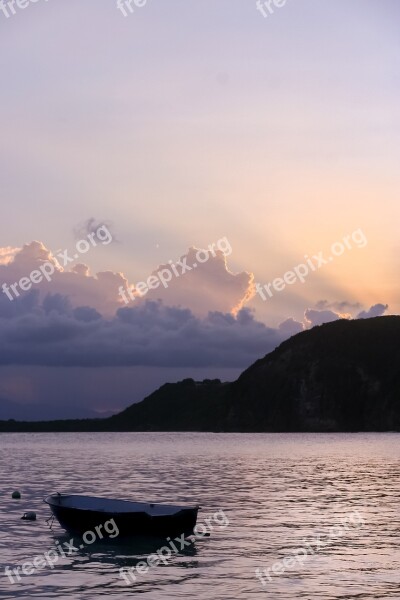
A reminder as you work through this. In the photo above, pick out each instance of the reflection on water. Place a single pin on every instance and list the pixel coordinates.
(277, 491)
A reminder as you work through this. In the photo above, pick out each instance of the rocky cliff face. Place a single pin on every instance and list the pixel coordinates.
(342, 376)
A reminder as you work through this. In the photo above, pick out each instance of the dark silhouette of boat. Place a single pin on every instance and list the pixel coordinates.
(80, 514)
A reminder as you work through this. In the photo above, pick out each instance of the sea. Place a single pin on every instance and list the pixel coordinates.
(283, 516)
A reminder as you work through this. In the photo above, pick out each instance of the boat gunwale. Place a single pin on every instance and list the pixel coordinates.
(54, 500)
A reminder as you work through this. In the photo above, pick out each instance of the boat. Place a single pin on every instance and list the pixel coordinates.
(80, 514)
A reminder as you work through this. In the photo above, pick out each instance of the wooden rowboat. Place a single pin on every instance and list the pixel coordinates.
(80, 514)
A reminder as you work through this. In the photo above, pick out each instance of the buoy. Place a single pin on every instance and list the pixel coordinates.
(29, 516)
(16, 495)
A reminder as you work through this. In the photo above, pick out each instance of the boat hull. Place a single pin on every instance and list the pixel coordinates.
(80, 521)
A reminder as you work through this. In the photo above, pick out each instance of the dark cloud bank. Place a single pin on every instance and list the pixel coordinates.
(52, 333)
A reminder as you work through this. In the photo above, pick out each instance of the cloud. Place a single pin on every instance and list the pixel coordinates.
(91, 225)
(7, 254)
(83, 289)
(315, 317)
(77, 319)
(340, 307)
(290, 327)
(52, 333)
(375, 311)
(209, 287)
(24, 260)
(318, 317)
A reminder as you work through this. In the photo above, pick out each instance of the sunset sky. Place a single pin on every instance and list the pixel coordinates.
(179, 125)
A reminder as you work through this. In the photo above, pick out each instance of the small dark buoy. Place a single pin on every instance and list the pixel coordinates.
(29, 516)
(16, 495)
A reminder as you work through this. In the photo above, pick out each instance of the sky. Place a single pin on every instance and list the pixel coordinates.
(179, 127)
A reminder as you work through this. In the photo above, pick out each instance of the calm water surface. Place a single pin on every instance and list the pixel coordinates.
(276, 490)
